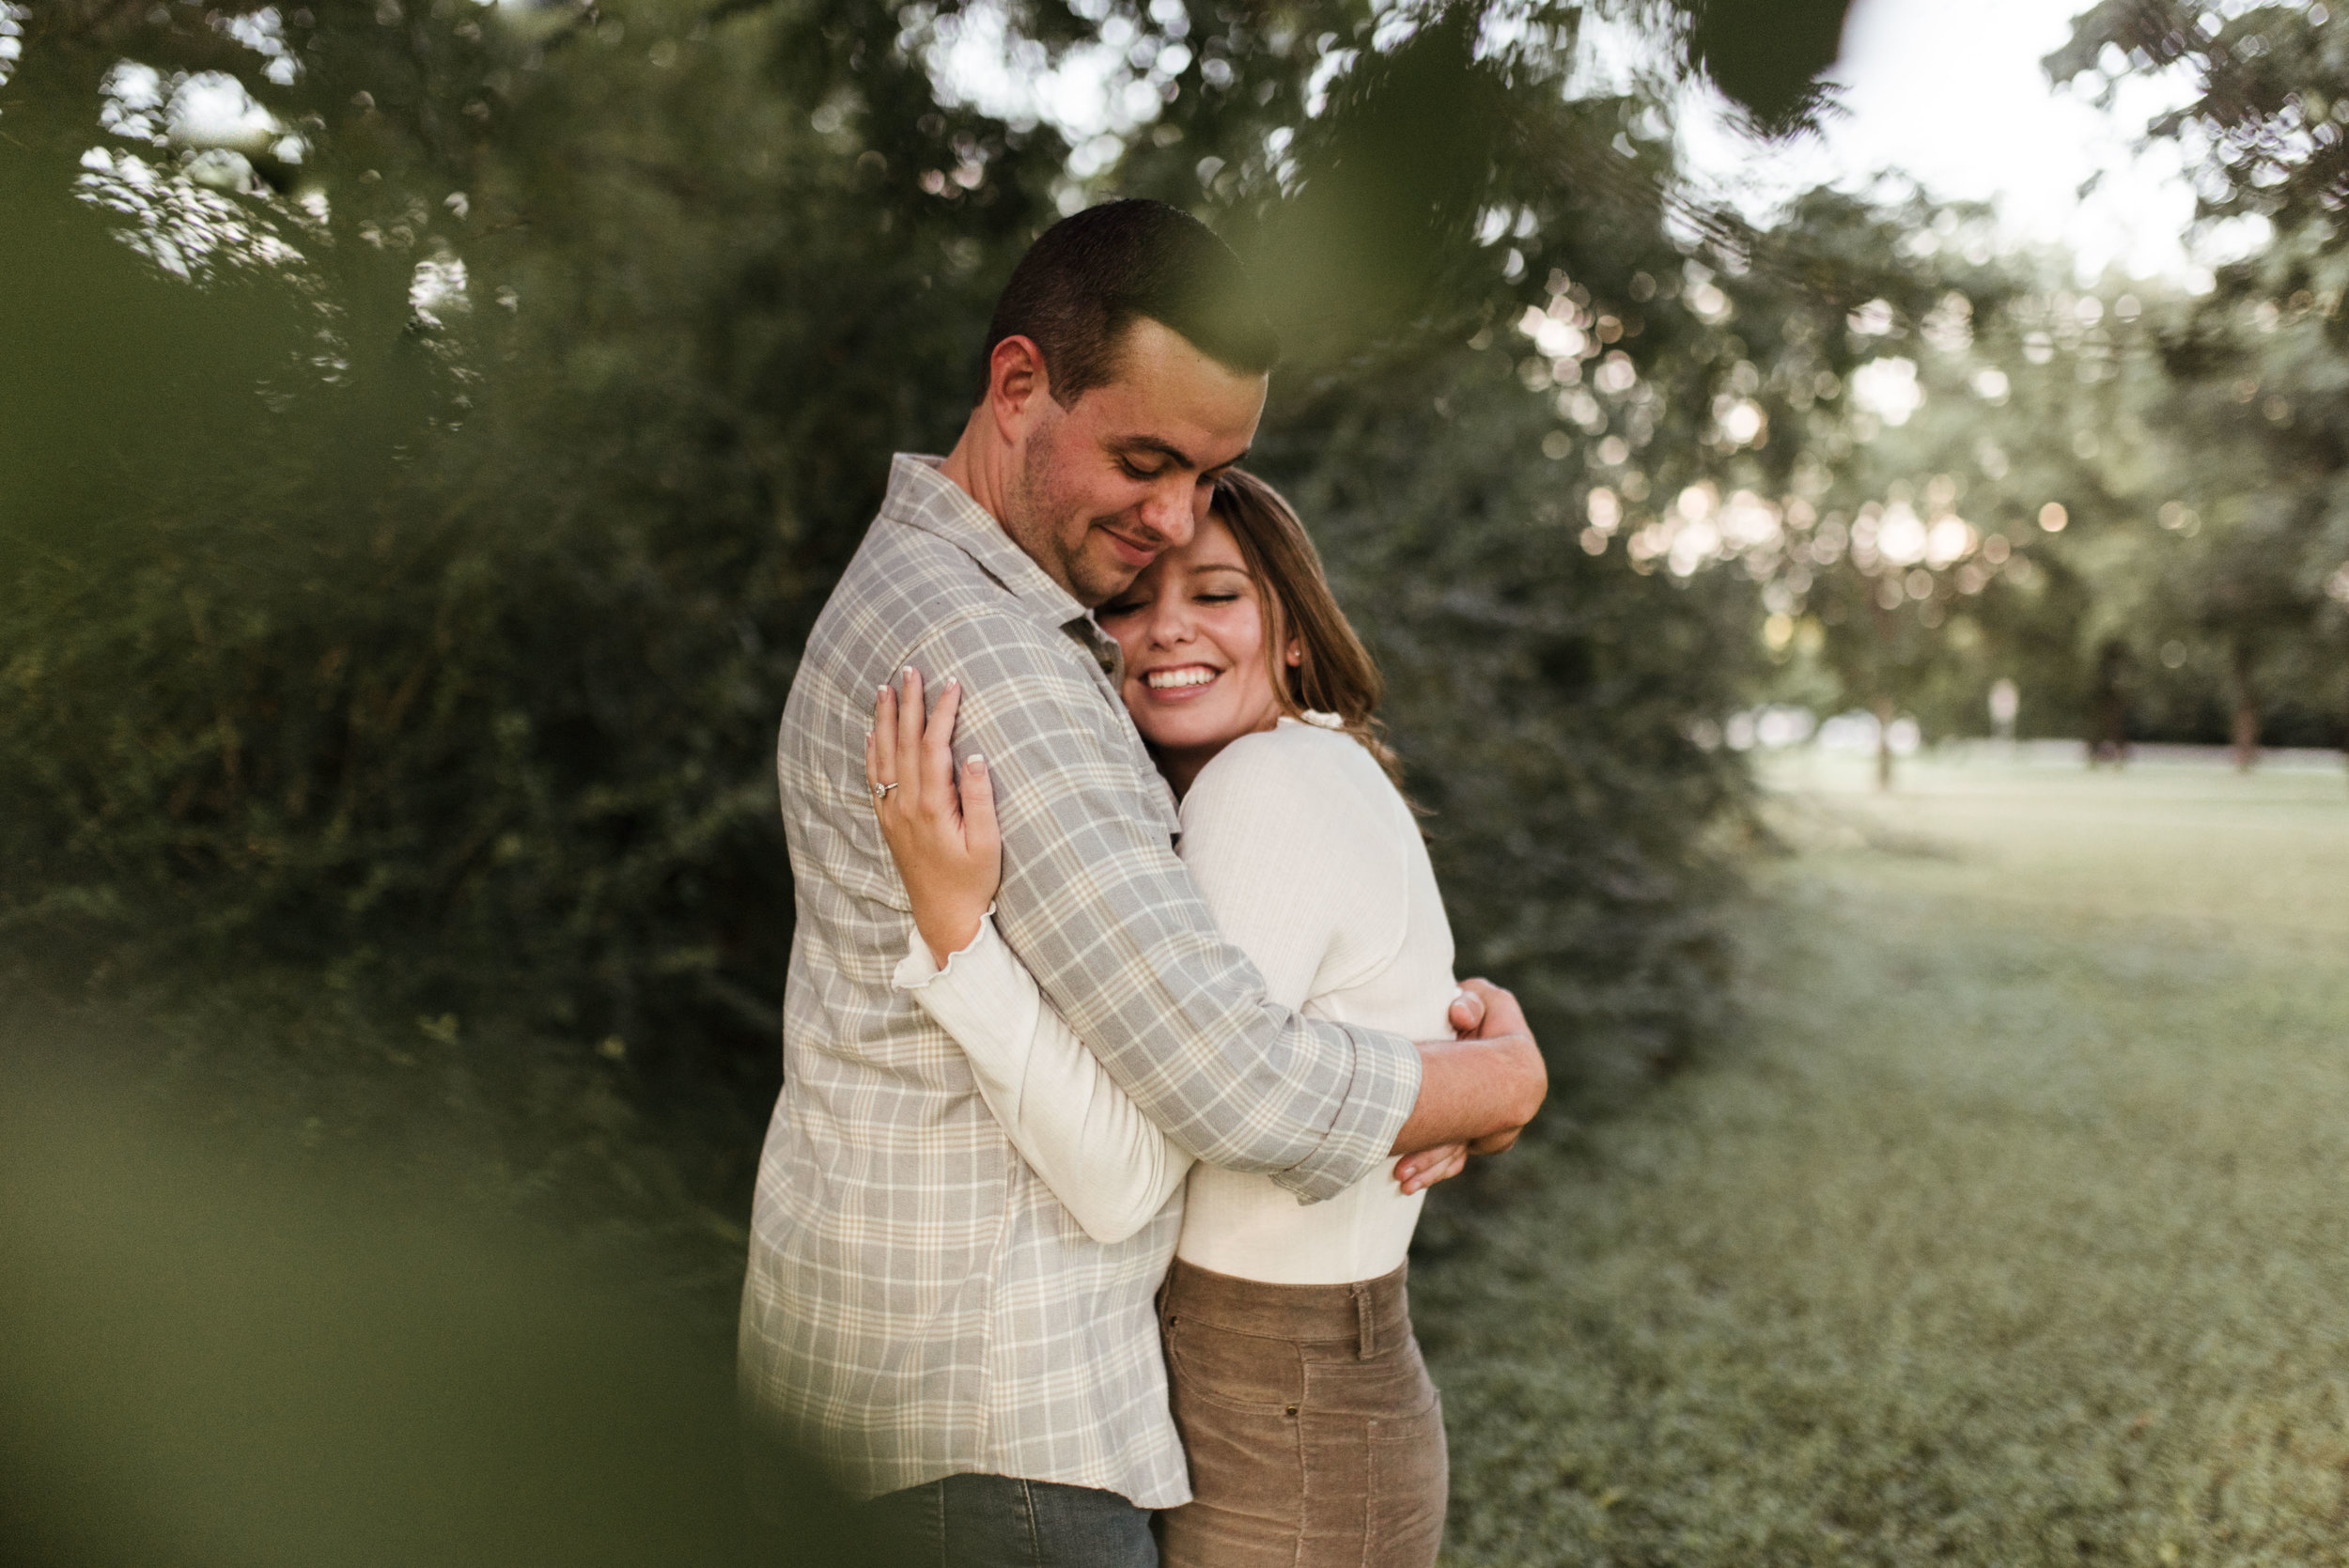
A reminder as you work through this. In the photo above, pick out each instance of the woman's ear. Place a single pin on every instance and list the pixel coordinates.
(1296, 653)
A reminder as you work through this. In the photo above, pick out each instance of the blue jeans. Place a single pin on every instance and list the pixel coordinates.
(995, 1521)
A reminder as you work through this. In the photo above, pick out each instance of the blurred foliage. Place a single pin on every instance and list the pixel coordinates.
(2249, 612)
(221, 1355)
(435, 428)
(430, 429)
(440, 425)
(1989, 437)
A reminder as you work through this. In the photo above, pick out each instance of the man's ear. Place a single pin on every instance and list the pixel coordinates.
(1016, 387)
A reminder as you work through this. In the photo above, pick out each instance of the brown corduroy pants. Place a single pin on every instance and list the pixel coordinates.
(1315, 1437)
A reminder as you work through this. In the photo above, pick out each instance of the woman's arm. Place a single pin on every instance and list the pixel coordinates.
(1108, 1164)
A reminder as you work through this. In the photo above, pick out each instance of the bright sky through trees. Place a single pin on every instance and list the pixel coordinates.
(1952, 95)
(1956, 97)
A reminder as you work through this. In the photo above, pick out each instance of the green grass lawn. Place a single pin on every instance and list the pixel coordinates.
(2015, 1230)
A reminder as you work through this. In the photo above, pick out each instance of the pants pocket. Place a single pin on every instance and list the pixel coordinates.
(1241, 1372)
(1247, 1485)
(1411, 1476)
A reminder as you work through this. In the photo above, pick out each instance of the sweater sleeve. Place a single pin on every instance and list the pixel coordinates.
(1109, 1164)
(1288, 835)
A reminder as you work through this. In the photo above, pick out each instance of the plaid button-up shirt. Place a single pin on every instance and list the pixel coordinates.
(918, 1304)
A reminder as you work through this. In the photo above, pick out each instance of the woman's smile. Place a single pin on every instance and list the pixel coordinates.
(1177, 683)
(1199, 667)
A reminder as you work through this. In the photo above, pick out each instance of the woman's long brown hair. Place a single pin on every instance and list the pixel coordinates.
(1335, 673)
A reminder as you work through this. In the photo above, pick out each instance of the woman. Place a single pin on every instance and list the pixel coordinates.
(1313, 1433)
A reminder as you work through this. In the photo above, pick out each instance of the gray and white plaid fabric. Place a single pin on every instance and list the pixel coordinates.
(918, 1303)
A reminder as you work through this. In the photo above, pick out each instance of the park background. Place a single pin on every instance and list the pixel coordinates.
(427, 430)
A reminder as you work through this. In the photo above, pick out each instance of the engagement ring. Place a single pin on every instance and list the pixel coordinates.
(880, 791)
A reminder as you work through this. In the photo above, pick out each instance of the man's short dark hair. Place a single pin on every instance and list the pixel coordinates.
(1088, 277)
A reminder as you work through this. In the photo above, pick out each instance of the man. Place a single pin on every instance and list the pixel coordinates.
(920, 1311)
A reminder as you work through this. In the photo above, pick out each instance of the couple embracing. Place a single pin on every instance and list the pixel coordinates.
(1121, 1039)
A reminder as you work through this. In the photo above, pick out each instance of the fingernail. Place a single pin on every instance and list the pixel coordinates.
(977, 763)
(953, 681)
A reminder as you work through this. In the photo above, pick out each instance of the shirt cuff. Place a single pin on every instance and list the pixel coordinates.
(917, 968)
(1378, 1100)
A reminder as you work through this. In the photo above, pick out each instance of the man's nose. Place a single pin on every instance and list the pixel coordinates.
(1174, 511)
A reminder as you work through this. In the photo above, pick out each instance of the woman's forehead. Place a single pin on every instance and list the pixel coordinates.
(1212, 548)
(1212, 545)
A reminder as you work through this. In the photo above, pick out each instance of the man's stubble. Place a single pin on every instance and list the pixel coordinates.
(1049, 524)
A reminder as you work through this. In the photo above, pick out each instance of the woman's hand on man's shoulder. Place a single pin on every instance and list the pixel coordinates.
(938, 819)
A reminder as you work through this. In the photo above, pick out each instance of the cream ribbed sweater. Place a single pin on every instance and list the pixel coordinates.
(1314, 868)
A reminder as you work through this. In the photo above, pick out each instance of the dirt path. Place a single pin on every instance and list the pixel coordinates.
(2015, 1231)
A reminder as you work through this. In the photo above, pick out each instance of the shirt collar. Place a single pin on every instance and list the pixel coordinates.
(921, 497)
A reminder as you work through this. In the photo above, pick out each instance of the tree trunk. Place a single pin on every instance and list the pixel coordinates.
(2247, 712)
(2111, 740)
(1884, 743)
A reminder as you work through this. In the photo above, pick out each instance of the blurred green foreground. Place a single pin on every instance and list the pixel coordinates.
(2012, 1234)
(218, 1354)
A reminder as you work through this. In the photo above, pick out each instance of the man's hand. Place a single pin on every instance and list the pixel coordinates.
(1419, 1172)
(1476, 1093)
(1499, 1017)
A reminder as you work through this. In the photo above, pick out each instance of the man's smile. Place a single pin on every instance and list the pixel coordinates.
(1132, 553)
